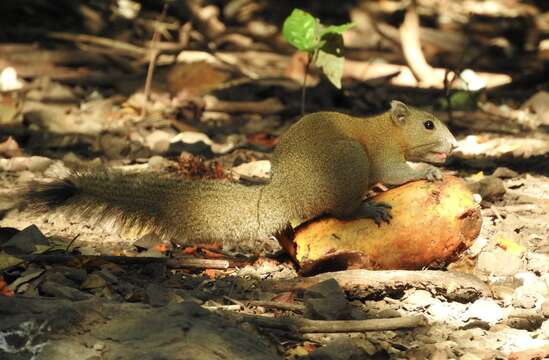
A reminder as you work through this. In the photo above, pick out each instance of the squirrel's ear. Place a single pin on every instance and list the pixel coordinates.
(399, 111)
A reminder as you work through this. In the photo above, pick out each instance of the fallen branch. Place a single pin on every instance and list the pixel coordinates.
(333, 326)
(370, 283)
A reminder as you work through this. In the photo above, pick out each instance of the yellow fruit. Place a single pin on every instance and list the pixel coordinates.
(432, 223)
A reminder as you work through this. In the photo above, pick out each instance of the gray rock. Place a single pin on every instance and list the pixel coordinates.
(490, 188)
(39, 163)
(74, 274)
(500, 262)
(538, 262)
(531, 293)
(545, 308)
(504, 173)
(50, 288)
(486, 310)
(158, 162)
(326, 301)
(419, 298)
(159, 141)
(544, 329)
(94, 281)
(157, 295)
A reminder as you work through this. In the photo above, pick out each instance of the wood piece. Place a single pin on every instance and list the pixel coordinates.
(276, 305)
(184, 262)
(335, 326)
(411, 46)
(267, 106)
(368, 283)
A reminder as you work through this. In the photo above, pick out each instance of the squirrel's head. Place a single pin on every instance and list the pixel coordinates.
(425, 138)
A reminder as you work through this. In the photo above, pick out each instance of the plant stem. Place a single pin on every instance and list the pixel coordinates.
(304, 86)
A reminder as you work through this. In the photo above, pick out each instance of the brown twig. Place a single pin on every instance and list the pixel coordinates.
(197, 263)
(153, 55)
(127, 48)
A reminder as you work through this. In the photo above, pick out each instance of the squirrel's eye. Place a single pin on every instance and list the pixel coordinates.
(429, 125)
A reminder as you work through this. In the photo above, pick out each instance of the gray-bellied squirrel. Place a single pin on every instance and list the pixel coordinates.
(324, 164)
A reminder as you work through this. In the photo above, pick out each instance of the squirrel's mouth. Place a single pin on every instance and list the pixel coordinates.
(435, 157)
(439, 156)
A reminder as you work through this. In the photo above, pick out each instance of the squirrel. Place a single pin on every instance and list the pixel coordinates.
(323, 165)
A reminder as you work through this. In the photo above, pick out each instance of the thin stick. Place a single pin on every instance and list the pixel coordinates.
(304, 86)
(71, 242)
(183, 262)
(97, 40)
(153, 55)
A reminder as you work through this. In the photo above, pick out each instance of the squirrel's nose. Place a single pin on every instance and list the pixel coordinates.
(454, 145)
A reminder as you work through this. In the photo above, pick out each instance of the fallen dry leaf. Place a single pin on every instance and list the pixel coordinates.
(4, 289)
(196, 78)
(10, 148)
(211, 273)
(189, 250)
(509, 245)
(211, 254)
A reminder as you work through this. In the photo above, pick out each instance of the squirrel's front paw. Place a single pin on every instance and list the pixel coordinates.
(377, 211)
(433, 173)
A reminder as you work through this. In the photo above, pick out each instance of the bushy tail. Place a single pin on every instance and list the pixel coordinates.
(184, 211)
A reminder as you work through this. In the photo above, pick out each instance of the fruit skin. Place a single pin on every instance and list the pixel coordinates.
(433, 222)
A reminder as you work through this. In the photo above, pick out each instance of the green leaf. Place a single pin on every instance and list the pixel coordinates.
(337, 29)
(332, 67)
(330, 58)
(301, 29)
(460, 100)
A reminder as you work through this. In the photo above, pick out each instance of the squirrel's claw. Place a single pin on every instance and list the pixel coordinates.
(378, 211)
(433, 174)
